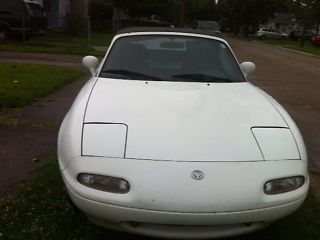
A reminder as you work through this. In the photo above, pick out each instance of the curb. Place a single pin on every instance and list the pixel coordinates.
(296, 51)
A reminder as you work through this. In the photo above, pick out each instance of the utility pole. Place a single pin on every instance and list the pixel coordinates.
(86, 8)
(87, 22)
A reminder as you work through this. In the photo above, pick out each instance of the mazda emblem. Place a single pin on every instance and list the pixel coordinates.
(197, 175)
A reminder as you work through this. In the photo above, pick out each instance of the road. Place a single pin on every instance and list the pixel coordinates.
(291, 78)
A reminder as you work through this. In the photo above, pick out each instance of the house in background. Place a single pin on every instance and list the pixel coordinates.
(56, 11)
(282, 22)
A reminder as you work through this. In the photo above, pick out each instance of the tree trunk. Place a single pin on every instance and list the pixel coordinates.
(183, 4)
(302, 37)
(235, 28)
(302, 41)
(246, 31)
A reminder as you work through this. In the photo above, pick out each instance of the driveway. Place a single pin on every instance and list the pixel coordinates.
(31, 134)
(59, 60)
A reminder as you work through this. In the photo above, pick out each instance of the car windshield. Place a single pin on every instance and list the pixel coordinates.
(171, 58)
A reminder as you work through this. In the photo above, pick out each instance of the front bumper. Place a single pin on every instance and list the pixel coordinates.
(180, 225)
(163, 197)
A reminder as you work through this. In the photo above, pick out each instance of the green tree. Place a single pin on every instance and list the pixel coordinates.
(307, 13)
(146, 8)
(203, 10)
(174, 11)
(239, 14)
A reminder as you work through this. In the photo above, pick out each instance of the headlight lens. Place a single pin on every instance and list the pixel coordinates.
(104, 183)
(283, 185)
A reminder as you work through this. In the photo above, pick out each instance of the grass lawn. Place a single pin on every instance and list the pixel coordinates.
(41, 210)
(295, 45)
(22, 84)
(101, 39)
(60, 43)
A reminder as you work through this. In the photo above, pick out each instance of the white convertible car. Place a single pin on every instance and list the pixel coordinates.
(169, 139)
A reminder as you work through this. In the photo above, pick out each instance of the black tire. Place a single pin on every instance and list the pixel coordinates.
(263, 37)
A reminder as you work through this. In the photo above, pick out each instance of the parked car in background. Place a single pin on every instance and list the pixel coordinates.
(264, 33)
(316, 40)
(169, 139)
(21, 19)
(210, 27)
(298, 34)
(38, 18)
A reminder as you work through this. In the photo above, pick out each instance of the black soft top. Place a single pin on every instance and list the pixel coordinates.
(164, 29)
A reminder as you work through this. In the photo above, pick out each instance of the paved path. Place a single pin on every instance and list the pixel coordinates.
(33, 139)
(60, 60)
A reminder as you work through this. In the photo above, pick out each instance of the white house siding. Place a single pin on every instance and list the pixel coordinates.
(57, 13)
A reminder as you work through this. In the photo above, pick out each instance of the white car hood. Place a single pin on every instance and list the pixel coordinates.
(181, 121)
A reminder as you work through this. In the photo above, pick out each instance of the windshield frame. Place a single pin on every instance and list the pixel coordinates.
(99, 71)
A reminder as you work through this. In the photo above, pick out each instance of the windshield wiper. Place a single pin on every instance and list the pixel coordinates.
(196, 77)
(131, 74)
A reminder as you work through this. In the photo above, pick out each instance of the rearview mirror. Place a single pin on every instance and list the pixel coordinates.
(247, 68)
(91, 63)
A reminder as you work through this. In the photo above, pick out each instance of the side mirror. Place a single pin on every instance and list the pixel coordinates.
(247, 68)
(91, 63)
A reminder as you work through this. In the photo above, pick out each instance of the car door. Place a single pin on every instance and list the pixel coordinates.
(274, 34)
